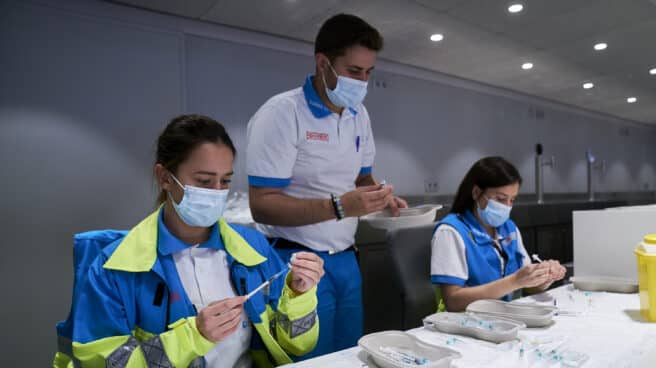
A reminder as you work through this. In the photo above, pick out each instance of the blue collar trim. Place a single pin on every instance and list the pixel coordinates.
(316, 106)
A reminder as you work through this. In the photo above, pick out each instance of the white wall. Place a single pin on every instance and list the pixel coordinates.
(85, 87)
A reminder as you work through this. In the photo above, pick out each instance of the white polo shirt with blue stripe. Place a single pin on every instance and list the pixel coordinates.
(294, 142)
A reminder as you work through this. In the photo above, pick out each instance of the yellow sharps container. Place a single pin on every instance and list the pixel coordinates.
(646, 253)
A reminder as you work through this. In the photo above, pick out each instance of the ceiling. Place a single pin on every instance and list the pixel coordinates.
(484, 42)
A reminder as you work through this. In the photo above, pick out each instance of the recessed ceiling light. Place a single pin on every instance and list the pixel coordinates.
(436, 37)
(527, 66)
(515, 8)
(652, 71)
(631, 99)
(588, 85)
(600, 46)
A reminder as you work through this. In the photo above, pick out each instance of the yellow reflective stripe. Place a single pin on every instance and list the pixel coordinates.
(138, 250)
(295, 305)
(62, 361)
(137, 360)
(184, 343)
(239, 248)
(93, 353)
(301, 344)
(441, 307)
(142, 335)
(278, 354)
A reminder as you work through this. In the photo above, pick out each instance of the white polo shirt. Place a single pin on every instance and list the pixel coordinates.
(296, 143)
(205, 277)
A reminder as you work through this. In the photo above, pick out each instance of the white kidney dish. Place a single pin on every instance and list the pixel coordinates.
(414, 216)
(530, 314)
(397, 349)
(604, 283)
(482, 327)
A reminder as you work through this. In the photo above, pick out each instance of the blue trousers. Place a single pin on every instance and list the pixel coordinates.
(339, 296)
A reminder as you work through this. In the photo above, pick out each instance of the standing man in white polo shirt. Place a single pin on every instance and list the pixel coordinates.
(309, 158)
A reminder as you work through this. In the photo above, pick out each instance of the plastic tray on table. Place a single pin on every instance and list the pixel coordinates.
(397, 349)
(414, 216)
(482, 327)
(605, 283)
(531, 315)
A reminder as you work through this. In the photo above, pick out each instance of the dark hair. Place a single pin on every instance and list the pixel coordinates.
(488, 172)
(343, 31)
(184, 134)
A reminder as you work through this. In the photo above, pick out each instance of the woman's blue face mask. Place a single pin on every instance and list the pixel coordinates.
(200, 206)
(495, 213)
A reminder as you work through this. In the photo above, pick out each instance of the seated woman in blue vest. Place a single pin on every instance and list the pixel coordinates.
(171, 293)
(477, 251)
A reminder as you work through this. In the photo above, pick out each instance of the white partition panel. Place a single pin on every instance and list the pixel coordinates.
(604, 240)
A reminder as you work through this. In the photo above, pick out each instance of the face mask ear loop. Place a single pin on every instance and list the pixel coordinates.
(333, 69)
(168, 193)
(177, 181)
(478, 205)
(323, 75)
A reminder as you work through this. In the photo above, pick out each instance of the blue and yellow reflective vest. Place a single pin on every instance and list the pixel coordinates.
(126, 313)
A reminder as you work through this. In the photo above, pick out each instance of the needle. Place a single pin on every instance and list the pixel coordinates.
(268, 281)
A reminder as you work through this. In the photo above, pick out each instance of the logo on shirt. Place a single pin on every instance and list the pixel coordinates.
(509, 239)
(316, 136)
(175, 296)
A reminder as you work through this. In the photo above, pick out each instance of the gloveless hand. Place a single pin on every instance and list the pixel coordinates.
(221, 318)
(367, 199)
(306, 271)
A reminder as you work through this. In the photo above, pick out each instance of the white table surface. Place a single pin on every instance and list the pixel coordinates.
(607, 327)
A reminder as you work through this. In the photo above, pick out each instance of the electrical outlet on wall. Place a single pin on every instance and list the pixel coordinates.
(378, 83)
(431, 185)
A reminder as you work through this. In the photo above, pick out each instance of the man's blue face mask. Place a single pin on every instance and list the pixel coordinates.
(348, 92)
(495, 213)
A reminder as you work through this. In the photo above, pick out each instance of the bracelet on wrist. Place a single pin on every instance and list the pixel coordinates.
(337, 206)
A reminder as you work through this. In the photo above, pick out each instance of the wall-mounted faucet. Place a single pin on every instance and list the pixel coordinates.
(592, 164)
(538, 171)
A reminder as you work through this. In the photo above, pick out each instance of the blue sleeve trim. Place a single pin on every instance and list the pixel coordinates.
(443, 279)
(261, 181)
(365, 170)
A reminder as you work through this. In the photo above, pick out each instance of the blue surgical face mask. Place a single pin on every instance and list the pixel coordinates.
(348, 92)
(200, 206)
(495, 213)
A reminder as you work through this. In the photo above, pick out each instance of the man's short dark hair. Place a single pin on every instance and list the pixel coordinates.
(343, 31)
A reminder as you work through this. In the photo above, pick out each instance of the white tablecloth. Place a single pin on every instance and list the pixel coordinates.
(607, 327)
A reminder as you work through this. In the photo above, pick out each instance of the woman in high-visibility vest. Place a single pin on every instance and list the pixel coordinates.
(179, 289)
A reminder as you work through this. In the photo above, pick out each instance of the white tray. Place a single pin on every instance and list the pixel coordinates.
(414, 216)
(532, 315)
(482, 327)
(437, 356)
(603, 283)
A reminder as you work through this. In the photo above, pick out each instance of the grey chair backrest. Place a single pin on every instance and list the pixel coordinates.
(410, 249)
